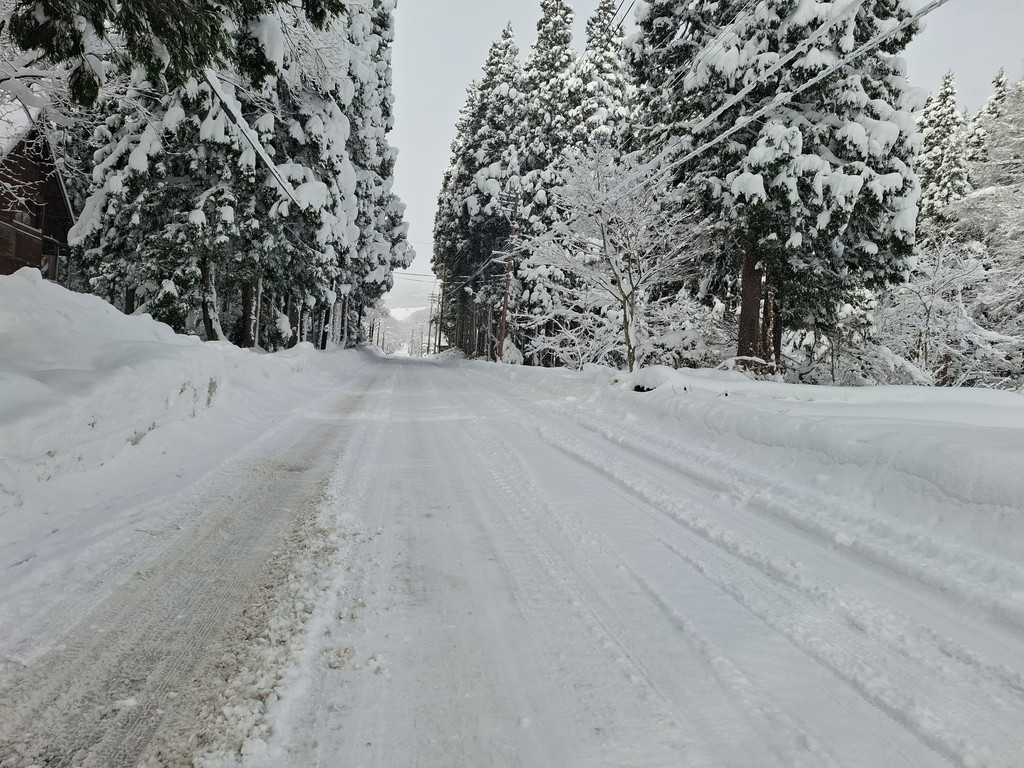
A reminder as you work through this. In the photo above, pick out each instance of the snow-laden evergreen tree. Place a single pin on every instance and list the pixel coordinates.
(171, 42)
(491, 148)
(451, 256)
(477, 199)
(986, 119)
(942, 166)
(382, 246)
(664, 46)
(994, 215)
(158, 225)
(552, 94)
(818, 197)
(1000, 162)
(604, 111)
(492, 200)
(243, 183)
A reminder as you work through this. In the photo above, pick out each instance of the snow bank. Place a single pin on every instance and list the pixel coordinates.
(903, 462)
(80, 382)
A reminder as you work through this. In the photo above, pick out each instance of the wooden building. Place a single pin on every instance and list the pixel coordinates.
(35, 214)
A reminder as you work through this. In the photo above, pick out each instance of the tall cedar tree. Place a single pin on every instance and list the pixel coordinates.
(598, 93)
(818, 198)
(172, 40)
(190, 212)
(472, 222)
(994, 215)
(942, 166)
(979, 125)
(664, 46)
(604, 109)
(991, 129)
(552, 94)
(451, 257)
(546, 134)
(381, 244)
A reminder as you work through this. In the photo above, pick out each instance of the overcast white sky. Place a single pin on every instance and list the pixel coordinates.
(441, 44)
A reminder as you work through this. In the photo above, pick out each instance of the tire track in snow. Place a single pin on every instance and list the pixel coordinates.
(528, 508)
(421, 670)
(539, 421)
(790, 743)
(971, 715)
(626, 696)
(912, 639)
(969, 673)
(951, 568)
(160, 646)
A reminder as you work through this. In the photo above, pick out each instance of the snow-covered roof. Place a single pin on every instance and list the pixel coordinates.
(16, 120)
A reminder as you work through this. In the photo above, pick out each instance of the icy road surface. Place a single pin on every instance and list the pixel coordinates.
(434, 567)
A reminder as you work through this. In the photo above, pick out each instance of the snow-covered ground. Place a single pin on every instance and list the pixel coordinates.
(213, 557)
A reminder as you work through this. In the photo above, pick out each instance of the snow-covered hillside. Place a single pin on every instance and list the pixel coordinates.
(222, 558)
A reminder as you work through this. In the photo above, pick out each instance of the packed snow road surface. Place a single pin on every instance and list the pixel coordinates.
(528, 584)
(458, 564)
(139, 677)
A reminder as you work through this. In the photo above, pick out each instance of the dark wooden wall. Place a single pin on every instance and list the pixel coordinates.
(34, 216)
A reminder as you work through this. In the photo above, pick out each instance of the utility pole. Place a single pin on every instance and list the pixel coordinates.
(430, 322)
(510, 207)
(440, 318)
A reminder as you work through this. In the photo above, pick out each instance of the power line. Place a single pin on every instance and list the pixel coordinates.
(425, 281)
(820, 32)
(703, 56)
(782, 98)
(785, 97)
(744, 14)
(616, 14)
(615, 19)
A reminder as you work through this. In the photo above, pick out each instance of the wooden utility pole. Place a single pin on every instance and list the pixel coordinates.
(440, 319)
(503, 325)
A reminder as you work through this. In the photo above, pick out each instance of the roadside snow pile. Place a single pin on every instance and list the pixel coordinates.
(903, 461)
(80, 382)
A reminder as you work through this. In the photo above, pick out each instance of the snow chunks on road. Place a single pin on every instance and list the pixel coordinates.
(177, 666)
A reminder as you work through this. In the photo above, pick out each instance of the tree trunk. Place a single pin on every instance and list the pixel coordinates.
(129, 301)
(750, 305)
(258, 313)
(628, 313)
(211, 320)
(777, 333)
(294, 321)
(70, 270)
(325, 328)
(249, 291)
(440, 319)
(344, 327)
(771, 327)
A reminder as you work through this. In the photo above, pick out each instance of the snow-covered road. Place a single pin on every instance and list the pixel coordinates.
(449, 564)
(528, 586)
